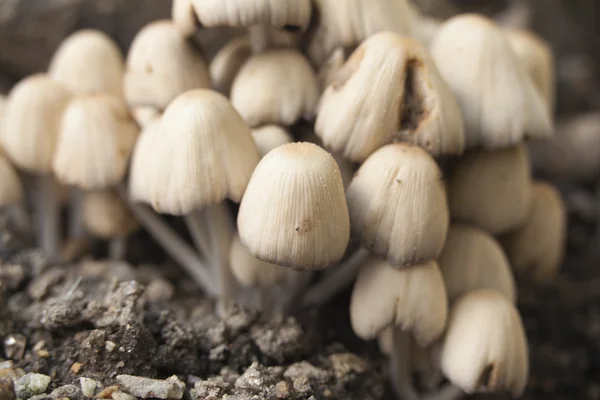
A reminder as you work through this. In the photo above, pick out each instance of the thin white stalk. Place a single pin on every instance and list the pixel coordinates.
(199, 233)
(47, 214)
(117, 248)
(335, 282)
(446, 392)
(400, 374)
(259, 38)
(76, 229)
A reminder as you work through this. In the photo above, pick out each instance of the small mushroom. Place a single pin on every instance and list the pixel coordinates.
(89, 62)
(184, 17)
(538, 246)
(227, 63)
(498, 99)
(269, 137)
(294, 211)
(389, 90)
(491, 189)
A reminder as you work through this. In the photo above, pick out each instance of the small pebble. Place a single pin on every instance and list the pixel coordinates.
(255, 378)
(88, 386)
(106, 393)
(14, 346)
(282, 390)
(171, 388)
(110, 346)
(347, 363)
(76, 367)
(118, 395)
(31, 385)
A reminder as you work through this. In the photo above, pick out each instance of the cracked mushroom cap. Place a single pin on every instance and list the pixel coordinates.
(205, 151)
(472, 259)
(162, 64)
(538, 59)
(106, 216)
(412, 298)
(485, 348)
(252, 272)
(499, 101)
(294, 211)
(491, 189)
(389, 90)
(538, 246)
(269, 137)
(227, 63)
(89, 62)
(31, 122)
(275, 87)
(11, 189)
(94, 143)
(398, 207)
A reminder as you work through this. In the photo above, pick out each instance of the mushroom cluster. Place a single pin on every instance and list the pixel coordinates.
(364, 142)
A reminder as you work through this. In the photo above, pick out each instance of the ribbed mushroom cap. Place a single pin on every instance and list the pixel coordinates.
(205, 152)
(144, 163)
(412, 298)
(346, 23)
(538, 246)
(491, 189)
(389, 90)
(184, 17)
(11, 189)
(294, 212)
(536, 55)
(161, 64)
(31, 122)
(227, 62)
(275, 87)
(472, 259)
(89, 62)
(269, 137)
(485, 348)
(499, 101)
(94, 143)
(245, 13)
(250, 271)
(106, 216)
(398, 207)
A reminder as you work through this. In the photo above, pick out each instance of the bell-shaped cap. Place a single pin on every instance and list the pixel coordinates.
(106, 216)
(294, 212)
(398, 207)
(269, 137)
(491, 189)
(472, 259)
(252, 272)
(485, 349)
(538, 246)
(162, 64)
(11, 189)
(413, 299)
(89, 62)
(94, 143)
(498, 99)
(228, 61)
(31, 122)
(389, 90)
(275, 87)
(144, 163)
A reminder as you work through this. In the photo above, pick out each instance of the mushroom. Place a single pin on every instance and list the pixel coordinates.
(472, 259)
(294, 211)
(269, 137)
(538, 246)
(227, 62)
(275, 87)
(491, 189)
(411, 300)
(389, 90)
(499, 101)
(88, 62)
(423, 28)
(30, 128)
(184, 17)
(107, 217)
(144, 115)
(162, 64)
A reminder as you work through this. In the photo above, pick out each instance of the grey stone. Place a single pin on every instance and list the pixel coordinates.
(171, 388)
(31, 385)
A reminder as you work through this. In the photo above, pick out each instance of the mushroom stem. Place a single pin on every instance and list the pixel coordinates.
(259, 38)
(446, 392)
(336, 281)
(399, 366)
(117, 248)
(195, 222)
(75, 229)
(47, 214)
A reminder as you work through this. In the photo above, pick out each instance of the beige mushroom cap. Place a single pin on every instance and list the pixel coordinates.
(184, 17)
(205, 152)
(31, 122)
(227, 62)
(245, 13)
(472, 259)
(398, 207)
(144, 115)
(492, 189)
(413, 299)
(538, 246)
(485, 348)
(144, 163)
(11, 189)
(499, 101)
(161, 64)
(89, 62)
(252, 272)
(275, 87)
(294, 212)
(106, 216)
(94, 143)
(269, 137)
(389, 90)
